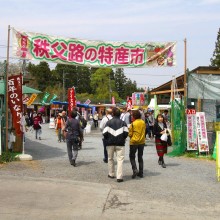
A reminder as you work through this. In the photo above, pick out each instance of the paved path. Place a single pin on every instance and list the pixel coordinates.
(49, 188)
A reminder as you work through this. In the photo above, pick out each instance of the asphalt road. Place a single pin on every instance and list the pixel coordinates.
(50, 188)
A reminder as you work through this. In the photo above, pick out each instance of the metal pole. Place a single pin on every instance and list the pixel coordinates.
(185, 74)
(6, 92)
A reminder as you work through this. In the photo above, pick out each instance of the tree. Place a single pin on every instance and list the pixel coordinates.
(215, 60)
(120, 82)
(103, 85)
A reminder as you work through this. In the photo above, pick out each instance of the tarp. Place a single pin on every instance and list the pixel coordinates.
(42, 47)
(25, 89)
(203, 86)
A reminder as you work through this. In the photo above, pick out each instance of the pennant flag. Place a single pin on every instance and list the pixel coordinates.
(53, 98)
(46, 95)
(31, 100)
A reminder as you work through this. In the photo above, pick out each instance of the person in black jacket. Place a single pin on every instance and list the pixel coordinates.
(161, 146)
(115, 134)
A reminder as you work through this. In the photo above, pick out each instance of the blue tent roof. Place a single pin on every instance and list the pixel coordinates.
(59, 103)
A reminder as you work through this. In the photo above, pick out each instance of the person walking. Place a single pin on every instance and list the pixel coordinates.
(115, 134)
(126, 116)
(60, 126)
(96, 119)
(151, 122)
(73, 130)
(161, 146)
(103, 122)
(37, 120)
(137, 142)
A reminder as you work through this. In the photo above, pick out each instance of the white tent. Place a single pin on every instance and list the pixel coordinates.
(161, 107)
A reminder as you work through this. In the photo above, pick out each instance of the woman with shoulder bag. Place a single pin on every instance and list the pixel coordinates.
(73, 133)
(160, 128)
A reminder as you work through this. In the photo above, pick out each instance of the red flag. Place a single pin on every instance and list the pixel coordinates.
(71, 99)
(15, 100)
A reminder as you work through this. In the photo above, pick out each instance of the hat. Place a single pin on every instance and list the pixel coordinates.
(60, 114)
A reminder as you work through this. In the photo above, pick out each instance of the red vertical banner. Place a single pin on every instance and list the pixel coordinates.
(15, 101)
(71, 99)
(113, 100)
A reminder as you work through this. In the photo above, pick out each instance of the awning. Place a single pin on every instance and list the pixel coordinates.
(59, 103)
(25, 89)
(29, 90)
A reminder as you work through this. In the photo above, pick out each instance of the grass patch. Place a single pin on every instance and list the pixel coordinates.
(196, 155)
(8, 157)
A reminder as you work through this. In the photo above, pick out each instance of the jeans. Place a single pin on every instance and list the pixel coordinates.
(60, 135)
(132, 155)
(38, 133)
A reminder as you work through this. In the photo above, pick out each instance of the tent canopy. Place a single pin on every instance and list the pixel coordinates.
(25, 89)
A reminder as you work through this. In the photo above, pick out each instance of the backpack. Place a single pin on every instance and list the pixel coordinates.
(83, 122)
(36, 124)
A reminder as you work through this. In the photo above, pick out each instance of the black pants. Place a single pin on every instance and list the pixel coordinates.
(132, 154)
(105, 149)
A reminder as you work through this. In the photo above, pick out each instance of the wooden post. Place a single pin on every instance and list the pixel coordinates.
(199, 105)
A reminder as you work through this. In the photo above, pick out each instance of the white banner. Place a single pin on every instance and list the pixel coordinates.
(191, 132)
(42, 47)
(202, 132)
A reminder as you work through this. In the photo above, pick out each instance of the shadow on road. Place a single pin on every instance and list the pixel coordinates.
(172, 164)
(41, 151)
(84, 163)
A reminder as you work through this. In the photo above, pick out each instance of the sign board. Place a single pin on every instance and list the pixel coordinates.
(218, 155)
(191, 132)
(202, 132)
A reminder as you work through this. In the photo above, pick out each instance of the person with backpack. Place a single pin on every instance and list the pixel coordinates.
(74, 132)
(37, 120)
(104, 120)
(126, 116)
(83, 124)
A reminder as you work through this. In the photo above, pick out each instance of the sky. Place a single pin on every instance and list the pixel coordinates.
(197, 21)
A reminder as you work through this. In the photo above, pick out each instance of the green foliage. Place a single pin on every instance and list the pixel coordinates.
(100, 84)
(7, 157)
(215, 60)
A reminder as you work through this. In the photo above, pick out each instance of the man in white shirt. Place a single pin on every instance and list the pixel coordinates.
(126, 116)
(104, 120)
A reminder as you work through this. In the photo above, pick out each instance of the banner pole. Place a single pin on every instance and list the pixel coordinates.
(185, 76)
(6, 92)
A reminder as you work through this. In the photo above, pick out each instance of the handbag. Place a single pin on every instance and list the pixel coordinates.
(164, 137)
(169, 141)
